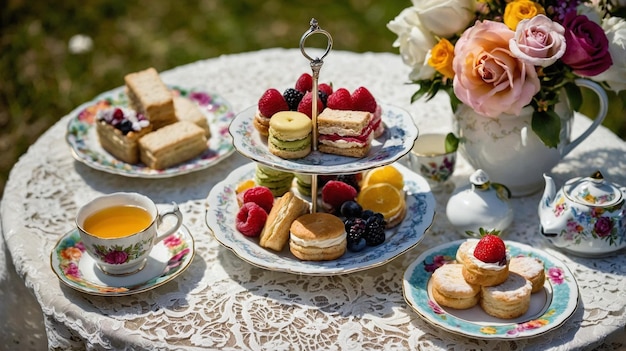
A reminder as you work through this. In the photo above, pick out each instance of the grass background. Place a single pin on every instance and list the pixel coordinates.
(41, 80)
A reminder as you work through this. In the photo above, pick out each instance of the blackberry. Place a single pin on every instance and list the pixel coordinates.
(374, 231)
(350, 179)
(323, 96)
(355, 229)
(351, 209)
(125, 127)
(293, 98)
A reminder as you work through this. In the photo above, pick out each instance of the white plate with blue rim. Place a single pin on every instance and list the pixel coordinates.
(549, 308)
(223, 207)
(397, 140)
(83, 140)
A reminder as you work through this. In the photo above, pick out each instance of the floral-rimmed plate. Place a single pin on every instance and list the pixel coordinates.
(83, 140)
(223, 207)
(549, 308)
(76, 268)
(397, 140)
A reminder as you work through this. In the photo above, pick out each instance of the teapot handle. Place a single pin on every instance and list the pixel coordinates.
(602, 110)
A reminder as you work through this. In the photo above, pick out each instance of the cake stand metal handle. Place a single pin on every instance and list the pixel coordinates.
(316, 66)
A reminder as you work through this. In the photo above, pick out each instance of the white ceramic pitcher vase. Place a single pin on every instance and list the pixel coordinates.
(510, 152)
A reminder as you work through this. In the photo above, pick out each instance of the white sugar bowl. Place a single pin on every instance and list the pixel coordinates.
(479, 207)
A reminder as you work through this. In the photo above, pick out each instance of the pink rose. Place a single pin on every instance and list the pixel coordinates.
(539, 41)
(587, 50)
(489, 78)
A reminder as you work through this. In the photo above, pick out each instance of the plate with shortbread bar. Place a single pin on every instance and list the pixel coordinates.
(525, 293)
(223, 208)
(149, 130)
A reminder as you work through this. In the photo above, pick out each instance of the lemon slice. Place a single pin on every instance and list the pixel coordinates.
(245, 185)
(386, 174)
(384, 198)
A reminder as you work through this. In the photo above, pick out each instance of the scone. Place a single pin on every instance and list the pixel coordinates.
(530, 268)
(317, 237)
(487, 262)
(149, 96)
(119, 130)
(286, 209)
(171, 145)
(508, 300)
(450, 289)
(290, 135)
(463, 251)
(187, 110)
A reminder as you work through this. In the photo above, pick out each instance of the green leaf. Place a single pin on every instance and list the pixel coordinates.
(574, 95)
(452, 143)
(547, 126)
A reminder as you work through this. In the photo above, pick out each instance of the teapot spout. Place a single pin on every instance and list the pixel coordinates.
(549, 191)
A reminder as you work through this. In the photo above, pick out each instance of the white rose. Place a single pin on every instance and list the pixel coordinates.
(445, 17)
(615, 76)
(414, 42)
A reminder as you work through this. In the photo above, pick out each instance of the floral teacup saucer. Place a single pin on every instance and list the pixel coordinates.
(76, 269)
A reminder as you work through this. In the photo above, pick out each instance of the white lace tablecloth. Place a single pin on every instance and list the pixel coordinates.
(222, 302)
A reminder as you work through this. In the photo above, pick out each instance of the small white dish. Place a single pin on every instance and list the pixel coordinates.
(223, 208)
(83, 140)
(549, 308)
(78, 270)
(397, 140)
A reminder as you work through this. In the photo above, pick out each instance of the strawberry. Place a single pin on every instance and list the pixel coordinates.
(340, 100)
(490, 249)
(261, 196)
(327, 88)
(363, 100)
(250, 219)
(272, 101)
(306, 105)
(335, 193)
(304, 83)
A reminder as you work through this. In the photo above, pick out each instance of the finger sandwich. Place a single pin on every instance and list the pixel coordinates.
(171, 145)
(149, 96)
(345, 133)
(187, 110)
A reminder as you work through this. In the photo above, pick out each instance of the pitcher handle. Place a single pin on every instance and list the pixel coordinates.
(602, 111)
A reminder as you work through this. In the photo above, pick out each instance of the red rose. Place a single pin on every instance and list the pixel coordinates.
(587, 50)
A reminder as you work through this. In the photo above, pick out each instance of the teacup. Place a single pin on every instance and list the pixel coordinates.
(119, 230)
(429, 158)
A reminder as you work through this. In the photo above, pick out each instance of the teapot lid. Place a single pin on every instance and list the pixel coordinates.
(592, 191)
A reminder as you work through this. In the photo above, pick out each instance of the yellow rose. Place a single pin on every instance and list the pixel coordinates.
(518, 10)
(441, 57)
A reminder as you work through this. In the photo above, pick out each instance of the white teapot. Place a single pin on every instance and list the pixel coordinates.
(585, 217)
(480, 207)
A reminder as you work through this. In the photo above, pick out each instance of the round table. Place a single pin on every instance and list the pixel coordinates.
(222, 302)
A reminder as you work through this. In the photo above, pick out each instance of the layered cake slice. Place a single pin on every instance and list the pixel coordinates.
(119, 130)
(149, 96)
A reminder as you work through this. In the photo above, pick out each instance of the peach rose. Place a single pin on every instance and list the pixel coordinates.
(489, 78)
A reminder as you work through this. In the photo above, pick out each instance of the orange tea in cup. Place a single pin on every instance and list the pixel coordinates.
(117, 221)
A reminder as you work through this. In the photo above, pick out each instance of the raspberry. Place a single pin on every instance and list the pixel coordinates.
(335, 193)
(304, 83)
(362, 100)
(327, 88)
(340, 100)
(250, 219)
(293, 98)
(261, 196)
(351, 179)
(374, 230)
(272, 101)
(306, 105)
(490, 249)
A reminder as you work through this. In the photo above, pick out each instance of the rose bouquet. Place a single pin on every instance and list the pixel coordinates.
(499, 56)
